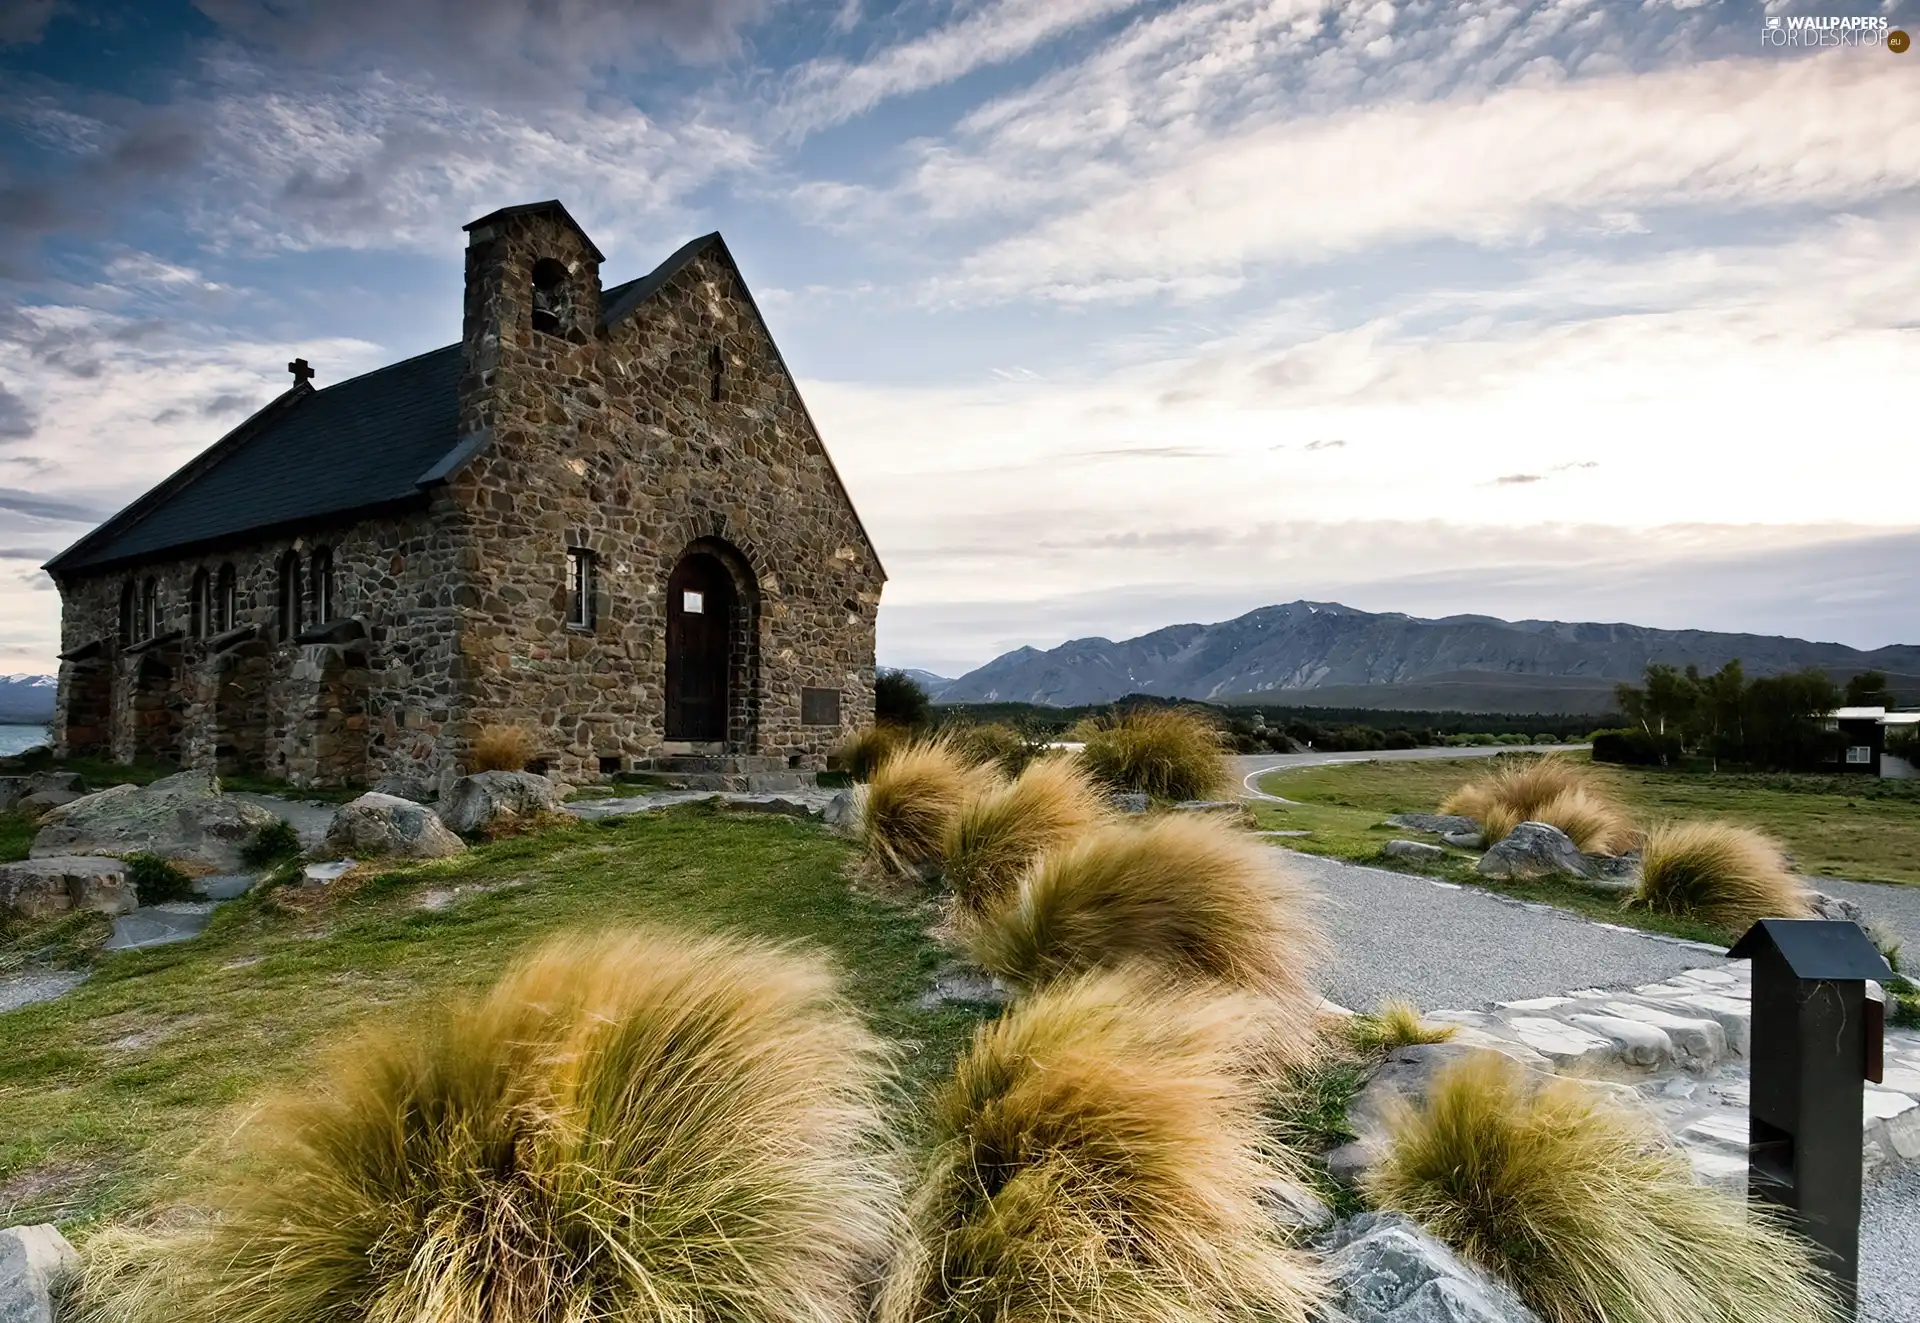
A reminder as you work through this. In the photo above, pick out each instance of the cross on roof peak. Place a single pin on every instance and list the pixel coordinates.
(301, 369)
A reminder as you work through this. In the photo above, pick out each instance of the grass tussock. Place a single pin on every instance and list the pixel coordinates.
(501, 749)
(637, 1126)
(994, 743)
(1171, 753)
(1396, 1024)
(911, 802)
(1097, 1157)
(1194, 897)
(1583, 1208)
(861, 754)
(1547, 789)
(998, 833)
(1719, 874)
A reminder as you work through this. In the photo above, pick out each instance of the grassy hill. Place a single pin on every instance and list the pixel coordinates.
(107, 1094)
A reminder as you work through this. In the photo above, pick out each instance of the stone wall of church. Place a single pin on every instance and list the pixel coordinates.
(309, 713)
(614, 443)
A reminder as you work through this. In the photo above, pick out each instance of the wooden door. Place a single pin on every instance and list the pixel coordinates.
(699, 642)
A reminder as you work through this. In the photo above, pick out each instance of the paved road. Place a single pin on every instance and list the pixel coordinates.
(1253, 766)
(1444, 947)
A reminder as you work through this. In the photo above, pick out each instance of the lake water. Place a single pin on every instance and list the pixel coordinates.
(15, 738)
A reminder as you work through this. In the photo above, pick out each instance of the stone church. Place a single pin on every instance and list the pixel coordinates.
(605, 516)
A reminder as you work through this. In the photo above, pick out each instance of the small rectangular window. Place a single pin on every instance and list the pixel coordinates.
(820, 707)
(580, 589)
(1859, 753)
(694, 604)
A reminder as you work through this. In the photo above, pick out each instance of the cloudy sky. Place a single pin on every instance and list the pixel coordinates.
(1114, 313)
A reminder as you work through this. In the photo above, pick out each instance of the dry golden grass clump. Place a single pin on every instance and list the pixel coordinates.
(1583, 1208)
(997, 833)
(501, 749)
(1549, 789)
(861, 753)
(993, 742)
(1097, 1157)
(913, 798)
(1171, 753)
(1718, 873)
(1195, 897)
(637, 1126)
(1396, 1024)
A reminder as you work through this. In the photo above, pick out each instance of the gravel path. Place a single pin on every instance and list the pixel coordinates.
(1890, 1249)
(1896, 906)
(1439, 946)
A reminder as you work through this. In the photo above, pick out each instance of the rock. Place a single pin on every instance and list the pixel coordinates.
(1534, 850)
(970, 987)
(183, 818)
(1613, 867)
(1835, 907)
(16, 789)
(41, 888)
(377, 825)
(1635, 1042)
(1417, 850)
(41, 802)
(1129, 801)
(1385, 1269)
(490, 800)
(320, 875)
(840, 810)
(34, 1264)
(416, 788)
(1295, 1208)
(160, 925)
(1468, 840)
(1226, 808)
(1434, 824)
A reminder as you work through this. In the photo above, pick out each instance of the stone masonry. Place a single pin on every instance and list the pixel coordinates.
(645, 432)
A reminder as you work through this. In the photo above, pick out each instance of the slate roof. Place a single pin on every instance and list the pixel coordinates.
(380, 439)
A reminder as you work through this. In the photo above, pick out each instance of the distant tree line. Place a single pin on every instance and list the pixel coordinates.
(1774, 723)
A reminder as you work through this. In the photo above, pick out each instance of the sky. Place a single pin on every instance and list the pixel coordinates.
(1113, 313)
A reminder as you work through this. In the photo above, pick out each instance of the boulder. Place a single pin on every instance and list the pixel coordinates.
(42, 888)
(35, 1263)
(1434, 824)
(1128, 801)
(839, 811)
(41, 802)
(183, 818)
(1534, 850)
(1413, 850)
(488, 800)
(1234, 810)
(377, 825)
(14, 789)
(416, 788)
(1383, 1268)
(1466, 840)
(1835, 907)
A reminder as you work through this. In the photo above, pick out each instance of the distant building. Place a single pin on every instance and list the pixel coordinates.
(1865, 729)
(605, 517)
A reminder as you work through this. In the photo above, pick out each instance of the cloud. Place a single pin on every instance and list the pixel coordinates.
(831, 91)
(1518, 479)
(17, 419)
(22, 22)
(35, 506)
(516, 47)
(37, 555)
(1324, 445)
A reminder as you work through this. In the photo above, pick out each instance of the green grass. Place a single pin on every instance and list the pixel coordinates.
(106, 1093)
(1864, 829)
(16, 834)
(260, 785)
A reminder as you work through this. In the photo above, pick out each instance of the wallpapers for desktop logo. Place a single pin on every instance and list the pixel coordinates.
(1810, 30)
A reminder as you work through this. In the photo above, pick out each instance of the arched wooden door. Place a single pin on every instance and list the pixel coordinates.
(700, 612)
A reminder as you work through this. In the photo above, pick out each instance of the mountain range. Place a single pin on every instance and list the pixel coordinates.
(27, 700)
(1323, 654)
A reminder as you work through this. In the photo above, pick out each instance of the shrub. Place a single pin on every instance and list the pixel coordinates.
(271, 844)
(501, 749)
(1171, 753)
(1195, 897)
(1096, 1157)
(1718, 873)
(994, 743)
(1581, 1205)
(1634, 747)
(861, 753)
(998, 833)
(632, 1126)
(156, 880)
(898, 700)
(911, 801)
(1594, 823)
(1395, 1024)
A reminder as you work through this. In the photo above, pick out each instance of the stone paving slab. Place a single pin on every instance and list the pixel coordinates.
(160, 925)
(31, 986)
(815, 802)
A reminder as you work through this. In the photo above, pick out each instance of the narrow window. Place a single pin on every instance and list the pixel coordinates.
(149, 608)
(550, 310)
(322, 585)
(580, 589)
(289, 612)
(716, 369)
(197, 612)
(226, 606)
(126, 613)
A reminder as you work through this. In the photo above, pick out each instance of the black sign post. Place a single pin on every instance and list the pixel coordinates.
(1816, 1042)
